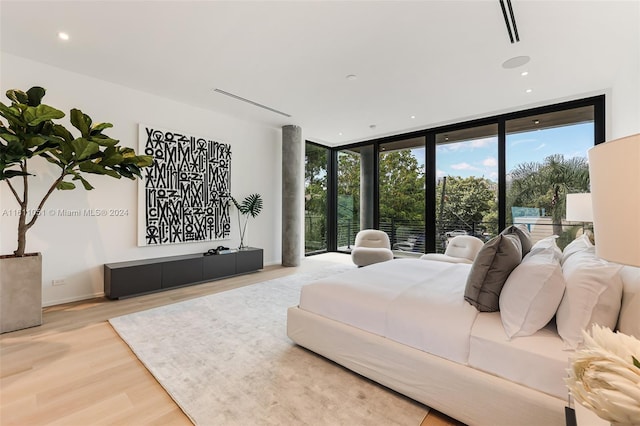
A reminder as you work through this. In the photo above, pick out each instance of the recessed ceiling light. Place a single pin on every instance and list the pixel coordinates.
(528, 90)
(351, 77)
(524, 73)
(413, 116)
(536, 121)
(63, 36)
(515, 62)
(372, 126)
(339, 133)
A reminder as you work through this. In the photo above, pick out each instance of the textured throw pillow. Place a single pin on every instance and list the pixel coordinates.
(532, 293)
(523, 234)
(593, 295)
(548, 244)
(490, 269)
(581, 243)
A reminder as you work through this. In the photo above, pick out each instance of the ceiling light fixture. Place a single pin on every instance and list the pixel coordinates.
(372, 126)
(536, 121)
(240, 98)
(413, 116)
(510, 21)
(63, 36)
(515, 62)
(351, 77)
(524, 73)
(528, 90)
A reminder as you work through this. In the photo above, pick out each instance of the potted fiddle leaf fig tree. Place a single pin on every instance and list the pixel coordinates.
(28, 134)
(250, 206)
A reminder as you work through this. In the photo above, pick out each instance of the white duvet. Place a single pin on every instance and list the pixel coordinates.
(424, 308)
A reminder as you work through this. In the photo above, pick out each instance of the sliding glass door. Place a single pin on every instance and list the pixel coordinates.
(466, 184)
(401, 184)
(348, 205)
(546, 158)
(315, 198)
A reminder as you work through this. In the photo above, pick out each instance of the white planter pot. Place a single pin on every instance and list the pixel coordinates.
(20, 292)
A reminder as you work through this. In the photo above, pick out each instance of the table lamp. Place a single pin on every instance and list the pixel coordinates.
(614, 171)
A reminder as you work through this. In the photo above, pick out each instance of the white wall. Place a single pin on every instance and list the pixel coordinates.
(625, 101)
(75, 248)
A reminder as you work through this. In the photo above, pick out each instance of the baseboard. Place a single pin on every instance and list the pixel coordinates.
(72, 299)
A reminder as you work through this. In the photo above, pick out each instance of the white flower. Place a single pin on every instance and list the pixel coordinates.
(605, 375)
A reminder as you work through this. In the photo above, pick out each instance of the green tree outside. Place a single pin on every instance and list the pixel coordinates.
(546, 185)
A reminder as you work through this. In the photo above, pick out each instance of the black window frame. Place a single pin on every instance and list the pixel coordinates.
(597, 102)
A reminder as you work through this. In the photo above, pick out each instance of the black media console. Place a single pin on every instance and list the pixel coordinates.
(124, 279)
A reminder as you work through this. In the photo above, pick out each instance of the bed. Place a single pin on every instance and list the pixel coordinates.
(405, 324)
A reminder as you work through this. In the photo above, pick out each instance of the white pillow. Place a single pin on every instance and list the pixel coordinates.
(548, 243)
(532, 293)
(593, 295)
(581, 243)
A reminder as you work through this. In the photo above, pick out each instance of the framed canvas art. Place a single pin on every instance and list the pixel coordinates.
(185, 196)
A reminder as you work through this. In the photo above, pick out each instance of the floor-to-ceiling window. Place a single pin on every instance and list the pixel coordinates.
(546, 158)
(348, 202)
(315, 198)
(471, 178)
(401, 184)
(466, 198)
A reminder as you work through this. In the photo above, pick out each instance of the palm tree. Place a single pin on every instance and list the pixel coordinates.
(546, 185)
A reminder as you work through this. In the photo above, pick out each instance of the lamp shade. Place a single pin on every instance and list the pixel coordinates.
(614, 171)
(579, 208)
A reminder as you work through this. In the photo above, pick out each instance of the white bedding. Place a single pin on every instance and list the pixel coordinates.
(537, 361)
(424, 308)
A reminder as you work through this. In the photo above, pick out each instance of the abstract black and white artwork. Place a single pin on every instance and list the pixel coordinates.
(185, 196)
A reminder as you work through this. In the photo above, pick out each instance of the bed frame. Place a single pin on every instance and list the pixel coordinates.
(462, 392)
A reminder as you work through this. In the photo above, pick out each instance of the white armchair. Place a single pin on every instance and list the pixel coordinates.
(461, 249)
(371, 246)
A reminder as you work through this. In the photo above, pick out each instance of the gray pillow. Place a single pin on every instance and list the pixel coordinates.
(523, 234)
(491, 268)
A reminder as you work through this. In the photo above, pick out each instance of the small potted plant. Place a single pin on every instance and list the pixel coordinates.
(250, 206)
(29, 135)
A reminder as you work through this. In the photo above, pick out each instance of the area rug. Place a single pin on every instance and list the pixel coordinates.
(226, 360)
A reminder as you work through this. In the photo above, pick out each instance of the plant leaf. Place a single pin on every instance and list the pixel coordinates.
(61, 131)
(35, 95)
(36, 115)
(81, 121)
(111, 160)
(84, 148)
(35, 140)
(103, 140)
(85, 183)
(91, 167)
(17, 96)
(100, 127)
(635, 361)
(65, 186)
(8, 174)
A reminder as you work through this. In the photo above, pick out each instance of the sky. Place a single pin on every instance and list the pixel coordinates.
(480, 157)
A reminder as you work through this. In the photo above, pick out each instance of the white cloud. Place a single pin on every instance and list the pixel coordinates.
(440, 173)
(481, 143)
(463, 166)
(490, 162)
(520, 141)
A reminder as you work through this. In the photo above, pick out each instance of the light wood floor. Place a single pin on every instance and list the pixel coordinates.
(75, 370)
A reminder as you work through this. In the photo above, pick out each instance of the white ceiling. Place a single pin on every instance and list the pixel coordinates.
(437, 60)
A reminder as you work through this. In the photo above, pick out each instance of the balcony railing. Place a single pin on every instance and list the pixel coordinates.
(409, 236)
